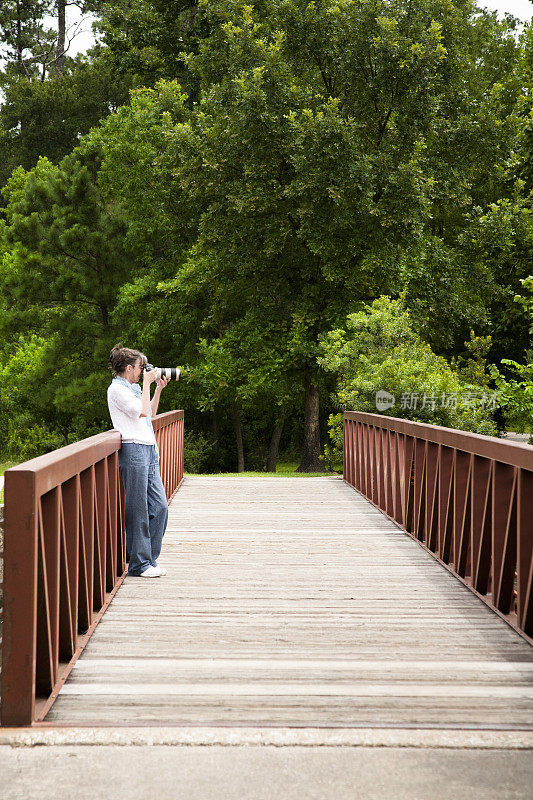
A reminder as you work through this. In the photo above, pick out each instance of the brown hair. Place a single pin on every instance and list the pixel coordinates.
(120, 357)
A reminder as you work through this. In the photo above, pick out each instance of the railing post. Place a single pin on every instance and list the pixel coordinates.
(20, 598)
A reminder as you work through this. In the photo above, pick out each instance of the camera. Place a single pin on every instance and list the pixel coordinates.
(172, 373)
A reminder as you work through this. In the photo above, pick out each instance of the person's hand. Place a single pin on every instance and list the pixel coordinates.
(162, 382)
(149, 377)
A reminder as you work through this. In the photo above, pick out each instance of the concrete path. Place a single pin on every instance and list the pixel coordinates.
(262, 773)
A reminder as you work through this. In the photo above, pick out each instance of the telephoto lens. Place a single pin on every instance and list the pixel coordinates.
(171, 373)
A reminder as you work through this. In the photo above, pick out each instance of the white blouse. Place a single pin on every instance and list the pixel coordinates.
(125, 410)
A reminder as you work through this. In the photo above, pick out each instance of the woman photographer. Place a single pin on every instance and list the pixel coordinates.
(131, 411)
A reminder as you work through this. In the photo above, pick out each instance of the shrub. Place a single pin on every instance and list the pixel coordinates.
(31, 440)
(197, 451)
(516, 392)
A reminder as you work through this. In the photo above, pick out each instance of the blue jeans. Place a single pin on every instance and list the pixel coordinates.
(146, 504)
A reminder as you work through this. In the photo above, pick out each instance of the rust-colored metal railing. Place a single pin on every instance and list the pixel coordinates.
(64, 559)
(467, 498)
(168, 429)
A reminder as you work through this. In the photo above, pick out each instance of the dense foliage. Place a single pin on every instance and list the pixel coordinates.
(280, 171)
(379, 353)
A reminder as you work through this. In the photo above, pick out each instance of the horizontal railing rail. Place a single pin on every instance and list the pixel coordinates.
(64, 559)
(467, 498)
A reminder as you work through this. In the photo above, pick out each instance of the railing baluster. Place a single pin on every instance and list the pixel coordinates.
(86, 549)
(525, 552)
(69, 564)
(50, 536)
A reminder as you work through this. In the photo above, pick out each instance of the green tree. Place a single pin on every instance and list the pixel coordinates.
(379, 350)
(61, 277)
(27, 44)
(310, 155)
(446, 292)
(498, 242)
(150, 39)
(49, 99)
(247, 369)
(30, 424)
(47, 118)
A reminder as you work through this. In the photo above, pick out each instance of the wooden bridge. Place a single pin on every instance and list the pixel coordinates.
(288, 602)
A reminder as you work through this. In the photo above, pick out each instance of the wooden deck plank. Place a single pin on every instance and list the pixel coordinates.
(295, 602)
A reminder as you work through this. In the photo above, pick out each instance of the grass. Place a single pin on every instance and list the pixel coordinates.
(283, 470)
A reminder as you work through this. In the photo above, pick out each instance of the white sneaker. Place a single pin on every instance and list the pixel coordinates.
(151, 572)
(162, 569)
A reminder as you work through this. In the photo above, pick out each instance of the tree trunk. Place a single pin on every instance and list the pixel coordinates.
(236, 418)
(214, 421)
(311, 461)
(60, 46)
(274, 444)
(105, 315)
(19, 44)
